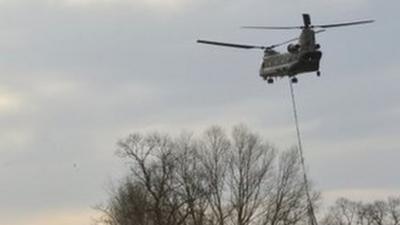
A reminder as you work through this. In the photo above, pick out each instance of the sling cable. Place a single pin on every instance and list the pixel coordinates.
(310, 208)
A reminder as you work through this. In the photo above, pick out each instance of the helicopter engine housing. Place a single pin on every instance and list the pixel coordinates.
(293, 48)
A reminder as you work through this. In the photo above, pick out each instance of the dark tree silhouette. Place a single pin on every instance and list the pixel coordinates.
(347, 212)
(213, 179)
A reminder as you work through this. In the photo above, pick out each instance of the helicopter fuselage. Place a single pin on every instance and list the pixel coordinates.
(289, 64)
(303, 57)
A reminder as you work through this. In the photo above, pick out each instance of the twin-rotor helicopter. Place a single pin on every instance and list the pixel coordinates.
(301, 57)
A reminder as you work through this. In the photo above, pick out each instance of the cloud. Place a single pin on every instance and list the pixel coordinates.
(15, 139)
(152, 5)
(9, 102)
(51, 217)
(334, 5)
(365, 194)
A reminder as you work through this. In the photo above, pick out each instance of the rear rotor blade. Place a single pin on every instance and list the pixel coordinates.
(344, 24)
(273, 28)
(307, 24)
(230, 44)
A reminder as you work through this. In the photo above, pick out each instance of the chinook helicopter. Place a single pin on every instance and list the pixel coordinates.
(302, 57)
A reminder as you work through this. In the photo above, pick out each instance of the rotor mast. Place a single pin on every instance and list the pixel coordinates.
(307, 36)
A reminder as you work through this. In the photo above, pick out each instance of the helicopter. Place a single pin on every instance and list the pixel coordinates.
(301, 57)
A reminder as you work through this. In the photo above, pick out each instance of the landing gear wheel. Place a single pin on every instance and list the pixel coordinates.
(294, 80)
(270, 81)
(318, 73)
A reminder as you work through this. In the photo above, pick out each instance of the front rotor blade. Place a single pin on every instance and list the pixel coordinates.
(292, 40)
(319, 31)
(283, 43)
(230, 44)
(344, 24)
(273, 28)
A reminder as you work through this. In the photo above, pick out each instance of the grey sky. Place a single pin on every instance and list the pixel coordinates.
(77, 75)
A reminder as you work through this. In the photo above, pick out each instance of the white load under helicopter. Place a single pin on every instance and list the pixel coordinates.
(302, 57)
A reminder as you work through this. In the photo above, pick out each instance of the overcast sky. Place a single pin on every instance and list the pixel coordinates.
(78, 75)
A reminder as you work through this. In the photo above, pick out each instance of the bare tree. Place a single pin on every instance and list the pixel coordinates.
(377, 212)
(250, 170)
(214, 148)
(154, 165)
(214, 179)
(190, 179)
(347, 212)
(129, 205)
(393, 206)
(288, 203)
